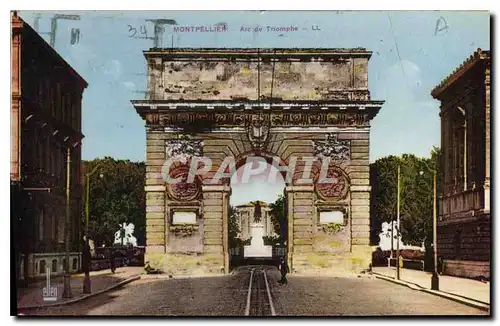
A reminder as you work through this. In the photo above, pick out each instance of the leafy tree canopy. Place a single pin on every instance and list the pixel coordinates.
(416, 195)
(116, 196)
(278, 216)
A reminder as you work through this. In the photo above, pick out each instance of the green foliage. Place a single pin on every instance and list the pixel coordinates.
(278, 216)
(116, 196)
(332, 227)
(416, 195)
(271, 240)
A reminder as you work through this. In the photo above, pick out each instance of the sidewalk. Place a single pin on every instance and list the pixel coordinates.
(101, 280)
(472, 289)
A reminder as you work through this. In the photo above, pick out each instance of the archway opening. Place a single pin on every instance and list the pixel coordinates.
(257, 220)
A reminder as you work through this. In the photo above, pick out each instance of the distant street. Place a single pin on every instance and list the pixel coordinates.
(232, 296)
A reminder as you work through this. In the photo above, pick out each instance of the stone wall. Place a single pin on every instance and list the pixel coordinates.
(466, 240)
(212, 77)
(464, 204)
(307, 236)
(467, 268)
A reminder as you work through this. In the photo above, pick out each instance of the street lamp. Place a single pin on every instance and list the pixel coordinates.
(397, 225)
(67, 276)
(435, 275)
(86, 280)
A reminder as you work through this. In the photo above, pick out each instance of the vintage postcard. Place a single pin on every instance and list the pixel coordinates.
(251, 163)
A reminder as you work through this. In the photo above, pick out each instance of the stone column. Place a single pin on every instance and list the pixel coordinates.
(15, 121)
(360, 231)
(487, 127)
(301, 210)
(215, 215)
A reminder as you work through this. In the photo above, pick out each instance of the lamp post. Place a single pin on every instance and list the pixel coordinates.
(86, 280)
(435, 275)
(397, 224)
(67, 276)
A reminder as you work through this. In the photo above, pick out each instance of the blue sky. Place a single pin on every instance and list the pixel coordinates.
(431, 45)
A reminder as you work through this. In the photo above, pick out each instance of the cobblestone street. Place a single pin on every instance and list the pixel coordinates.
(229, 296)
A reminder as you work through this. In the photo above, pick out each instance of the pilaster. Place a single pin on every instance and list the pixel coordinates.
(487, 126)
(215, 215)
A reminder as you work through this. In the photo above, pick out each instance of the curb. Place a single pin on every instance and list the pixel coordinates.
(457, 298)
(171, 277)
(129, 280)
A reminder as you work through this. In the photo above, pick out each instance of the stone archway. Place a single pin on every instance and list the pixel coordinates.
(296, 104)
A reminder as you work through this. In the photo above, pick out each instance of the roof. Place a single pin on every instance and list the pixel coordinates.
(18, 22)
(470, 62)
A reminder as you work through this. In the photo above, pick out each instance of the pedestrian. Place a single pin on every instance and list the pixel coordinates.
(284, 271)
(86, 258)
(440, 266)
(113, 260)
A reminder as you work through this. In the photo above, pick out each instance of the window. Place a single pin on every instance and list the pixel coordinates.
(60, 230)
(46, 154)
(63, 108)
(54, 265)
(53, 226)
(459, 138)
(69, 111)
(40, 225)
(57, 100)
(42, 267)
(184, 218)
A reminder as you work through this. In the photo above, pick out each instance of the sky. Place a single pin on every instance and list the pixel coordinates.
(412, 52)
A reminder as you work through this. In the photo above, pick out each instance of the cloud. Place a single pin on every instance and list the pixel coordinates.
(129, 85)
(82, 56)
(113, 68)
(400, 82)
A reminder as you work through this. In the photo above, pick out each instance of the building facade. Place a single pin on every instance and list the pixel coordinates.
(45, 123)
(246, 217)
(269, 103)
(464, 223)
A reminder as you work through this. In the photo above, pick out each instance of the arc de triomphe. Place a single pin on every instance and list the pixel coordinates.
(284, 103)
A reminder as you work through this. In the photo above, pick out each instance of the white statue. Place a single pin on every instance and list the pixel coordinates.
(128, 238)
(385, 238)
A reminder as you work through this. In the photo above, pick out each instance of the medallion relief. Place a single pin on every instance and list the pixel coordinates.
(181, 151)
(337, 186)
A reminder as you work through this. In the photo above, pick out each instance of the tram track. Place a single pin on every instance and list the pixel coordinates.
(259, 300)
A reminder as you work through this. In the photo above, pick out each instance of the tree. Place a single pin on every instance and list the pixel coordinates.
(116, 196)
(416, 196)
(383, 179)
(278, 216)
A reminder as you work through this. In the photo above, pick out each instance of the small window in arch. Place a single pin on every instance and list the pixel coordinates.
(42, 266)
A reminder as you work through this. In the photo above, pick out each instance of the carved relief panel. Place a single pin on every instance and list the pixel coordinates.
(334, 183)
(181, 151)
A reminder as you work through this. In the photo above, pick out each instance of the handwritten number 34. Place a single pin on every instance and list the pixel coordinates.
(130, 29)
(133, 30)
